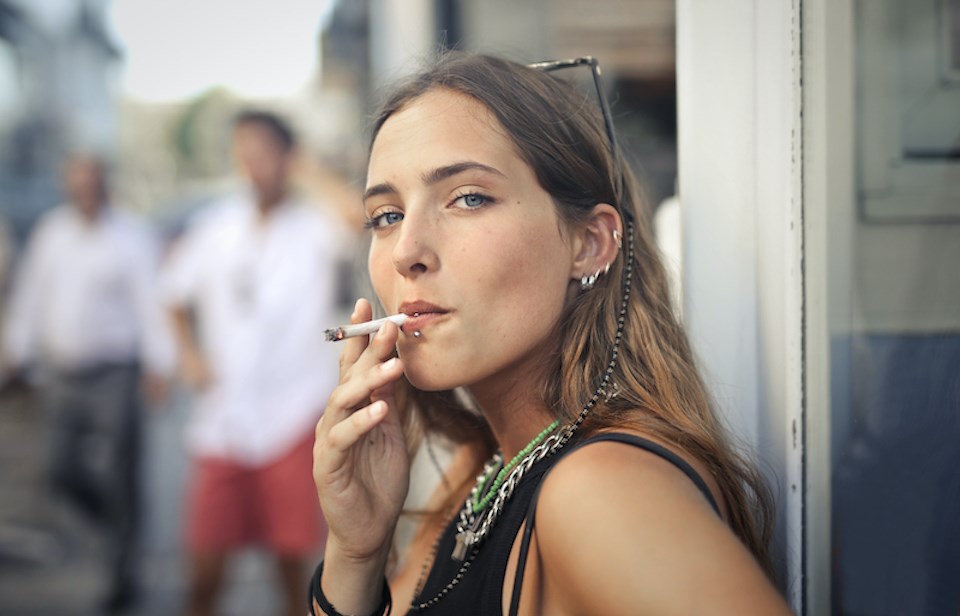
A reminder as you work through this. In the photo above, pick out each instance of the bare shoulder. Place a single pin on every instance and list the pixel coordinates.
(631, 473)
(622, 530)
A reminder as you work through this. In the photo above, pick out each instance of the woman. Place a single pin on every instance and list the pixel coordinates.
(595, 478)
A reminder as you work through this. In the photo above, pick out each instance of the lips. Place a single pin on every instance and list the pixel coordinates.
(421, 314)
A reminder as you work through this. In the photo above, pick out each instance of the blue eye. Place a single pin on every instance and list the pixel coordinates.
(472, 200)
(382, 221)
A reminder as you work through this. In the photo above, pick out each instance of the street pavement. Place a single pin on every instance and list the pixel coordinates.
(51, 557)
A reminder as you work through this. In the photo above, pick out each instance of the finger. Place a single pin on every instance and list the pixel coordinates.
(346, 433)
(382, 345)
(353, 347)
(356, 391)
(379, 348)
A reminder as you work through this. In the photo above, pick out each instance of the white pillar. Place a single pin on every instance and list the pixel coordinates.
(739, 135)
(402, 37)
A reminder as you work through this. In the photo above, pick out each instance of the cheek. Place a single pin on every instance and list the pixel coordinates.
(381, 270)
(524, 289)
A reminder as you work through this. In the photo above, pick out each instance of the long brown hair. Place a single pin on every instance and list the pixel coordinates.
(561, 136)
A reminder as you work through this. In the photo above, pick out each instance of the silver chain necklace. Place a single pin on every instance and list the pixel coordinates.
(471, 528)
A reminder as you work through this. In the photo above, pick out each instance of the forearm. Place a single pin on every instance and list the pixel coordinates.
(183, 331)
(193, 369)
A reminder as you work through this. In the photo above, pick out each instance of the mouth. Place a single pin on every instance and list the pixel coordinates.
(421, 314)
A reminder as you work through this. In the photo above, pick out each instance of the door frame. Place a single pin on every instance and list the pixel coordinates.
(740, 139)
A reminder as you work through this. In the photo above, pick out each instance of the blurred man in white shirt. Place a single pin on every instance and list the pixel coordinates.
(252, 286)
(84, 311)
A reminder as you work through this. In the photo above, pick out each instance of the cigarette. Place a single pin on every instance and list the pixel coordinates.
(360, 329)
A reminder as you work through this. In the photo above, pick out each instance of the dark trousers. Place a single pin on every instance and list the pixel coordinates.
(95, 455)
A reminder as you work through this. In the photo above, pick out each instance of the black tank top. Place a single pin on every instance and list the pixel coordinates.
(480, 589)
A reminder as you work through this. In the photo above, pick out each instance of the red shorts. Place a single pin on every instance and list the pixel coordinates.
(230, 505)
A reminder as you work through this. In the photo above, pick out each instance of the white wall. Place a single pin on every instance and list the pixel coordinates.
(402, 37)
(517, 30)
(738, 87)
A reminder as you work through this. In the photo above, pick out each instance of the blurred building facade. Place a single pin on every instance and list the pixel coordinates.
(370, 43)
(171, 156)
(56, 62)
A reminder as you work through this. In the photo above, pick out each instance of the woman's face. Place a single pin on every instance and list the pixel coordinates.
(465, 236)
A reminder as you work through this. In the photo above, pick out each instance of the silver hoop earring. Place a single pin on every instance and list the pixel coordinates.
(616, 238)
(587, 282)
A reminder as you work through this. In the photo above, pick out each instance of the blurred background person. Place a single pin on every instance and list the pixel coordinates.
(83, 311)
(251, 285)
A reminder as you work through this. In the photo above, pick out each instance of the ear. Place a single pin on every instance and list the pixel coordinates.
(597, 241)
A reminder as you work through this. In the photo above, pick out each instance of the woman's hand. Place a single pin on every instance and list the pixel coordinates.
(360, 461)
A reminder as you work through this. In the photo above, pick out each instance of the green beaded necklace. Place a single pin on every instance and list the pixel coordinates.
(480, 503)
(472, 527)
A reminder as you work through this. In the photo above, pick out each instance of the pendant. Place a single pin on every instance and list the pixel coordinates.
(465, 539)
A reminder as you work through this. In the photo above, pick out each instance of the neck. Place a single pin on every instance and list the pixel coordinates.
(90, 213)
(267, 203)
(514, 411)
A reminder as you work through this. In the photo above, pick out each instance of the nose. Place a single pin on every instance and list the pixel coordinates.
(414, 252)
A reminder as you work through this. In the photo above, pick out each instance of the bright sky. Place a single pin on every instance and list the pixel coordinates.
(175, 49)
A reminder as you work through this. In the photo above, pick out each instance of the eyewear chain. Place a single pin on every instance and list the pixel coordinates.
(471, 530)
(469, 538)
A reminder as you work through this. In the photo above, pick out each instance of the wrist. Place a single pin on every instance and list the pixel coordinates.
(372, 561)
(353, 584)
(320, 604)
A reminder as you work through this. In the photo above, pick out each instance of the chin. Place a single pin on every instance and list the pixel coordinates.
(429, 376)
(429, 382)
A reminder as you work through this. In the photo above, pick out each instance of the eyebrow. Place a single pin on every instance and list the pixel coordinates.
(434, 176)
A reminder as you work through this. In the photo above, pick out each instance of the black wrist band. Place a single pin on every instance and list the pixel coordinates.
(316, 594)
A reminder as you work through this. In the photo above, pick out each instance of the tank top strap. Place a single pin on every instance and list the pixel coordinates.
(661, 451)
(619, 437)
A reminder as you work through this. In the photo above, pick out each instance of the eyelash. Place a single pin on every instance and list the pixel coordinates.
(374, 221)
(487, 200)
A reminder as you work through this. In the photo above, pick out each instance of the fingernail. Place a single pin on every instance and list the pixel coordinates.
(378, 409)
(389, 364)
(356, 306)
